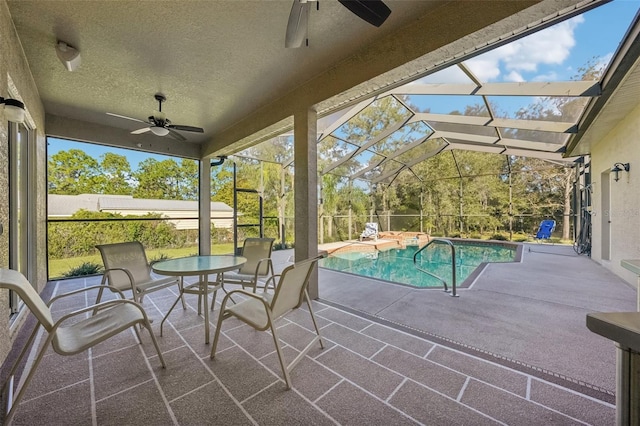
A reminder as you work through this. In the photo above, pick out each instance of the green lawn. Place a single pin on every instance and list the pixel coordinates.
(58, 267)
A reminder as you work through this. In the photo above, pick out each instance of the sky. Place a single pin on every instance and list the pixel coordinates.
(55, 145)
(553, 54)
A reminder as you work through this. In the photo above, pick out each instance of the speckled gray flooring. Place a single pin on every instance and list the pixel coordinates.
(532, 312)
(370, 372)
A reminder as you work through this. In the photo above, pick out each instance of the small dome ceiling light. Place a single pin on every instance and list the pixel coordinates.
(68, 55)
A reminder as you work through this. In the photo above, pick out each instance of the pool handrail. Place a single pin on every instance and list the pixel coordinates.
(453, 264)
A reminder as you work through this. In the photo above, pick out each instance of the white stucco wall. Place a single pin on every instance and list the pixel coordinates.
(14, 67)
(621, 145)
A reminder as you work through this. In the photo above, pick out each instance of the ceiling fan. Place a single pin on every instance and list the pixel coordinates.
(159, 124)
(374, 12)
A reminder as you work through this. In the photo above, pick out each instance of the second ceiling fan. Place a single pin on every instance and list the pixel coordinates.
(374, 12)
(159, 124)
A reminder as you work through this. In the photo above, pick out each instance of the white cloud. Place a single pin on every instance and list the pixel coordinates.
(549, 76)
(514, 76)
(550, 46)
(485, 68)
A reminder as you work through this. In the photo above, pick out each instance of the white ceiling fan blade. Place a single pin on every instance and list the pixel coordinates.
(139, 131)
(298, 24)
(125, 117)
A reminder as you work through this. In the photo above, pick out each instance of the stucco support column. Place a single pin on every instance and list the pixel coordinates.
(204, 208)
(306, 189)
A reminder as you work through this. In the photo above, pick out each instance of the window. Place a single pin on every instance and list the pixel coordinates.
(20, 214)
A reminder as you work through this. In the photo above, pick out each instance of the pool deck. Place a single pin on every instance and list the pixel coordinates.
(385, 241)
(356, 245)
(529, 315)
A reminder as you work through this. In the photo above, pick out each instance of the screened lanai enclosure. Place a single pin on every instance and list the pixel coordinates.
(448, 155)
(452, 153)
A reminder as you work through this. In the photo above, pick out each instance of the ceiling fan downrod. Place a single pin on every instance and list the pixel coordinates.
(160, 98)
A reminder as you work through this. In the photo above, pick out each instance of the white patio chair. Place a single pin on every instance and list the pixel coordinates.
(127, 268)
(111, 317)
(370, 232)
(260, 311)
(257, 251)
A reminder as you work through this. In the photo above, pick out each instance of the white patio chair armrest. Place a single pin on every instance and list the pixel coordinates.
(99, 306)
(266, 259)
(271, 278)
(258, 266)
(245, 293)
(71, 293)
(129, 275)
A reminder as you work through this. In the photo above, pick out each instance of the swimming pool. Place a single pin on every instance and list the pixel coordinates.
(396, 265)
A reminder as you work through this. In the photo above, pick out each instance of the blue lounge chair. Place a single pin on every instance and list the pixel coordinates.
(545, 229)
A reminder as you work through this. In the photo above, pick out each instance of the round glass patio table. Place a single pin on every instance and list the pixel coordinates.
(201, 266)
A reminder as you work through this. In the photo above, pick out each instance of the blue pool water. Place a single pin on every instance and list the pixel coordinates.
(396, 265)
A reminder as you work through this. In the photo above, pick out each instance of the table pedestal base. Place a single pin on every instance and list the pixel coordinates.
(202, 288)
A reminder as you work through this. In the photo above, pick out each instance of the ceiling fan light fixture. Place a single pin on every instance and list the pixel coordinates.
(159, 131)
(159, 124)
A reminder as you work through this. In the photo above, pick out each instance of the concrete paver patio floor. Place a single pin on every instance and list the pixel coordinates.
(512, 349)
(530, 315)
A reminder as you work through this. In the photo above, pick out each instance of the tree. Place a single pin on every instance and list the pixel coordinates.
(222, 183)
(115, 176)
(266, 174)
(166, 180)
(188, 179)
(553, 184)
(73, 172)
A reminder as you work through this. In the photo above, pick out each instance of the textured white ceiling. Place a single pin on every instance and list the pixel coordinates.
(219, 62)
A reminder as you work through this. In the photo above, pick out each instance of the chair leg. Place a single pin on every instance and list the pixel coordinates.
(155, 343)
(181, 287)
(213, 299)
(27, 380)
(147, 325)
(226, 291)
(221, 317)
(200, 296)
(313, 317)
(285, 371)
(138, 299)
(135, 329)
(23, 352)
(99, 297)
